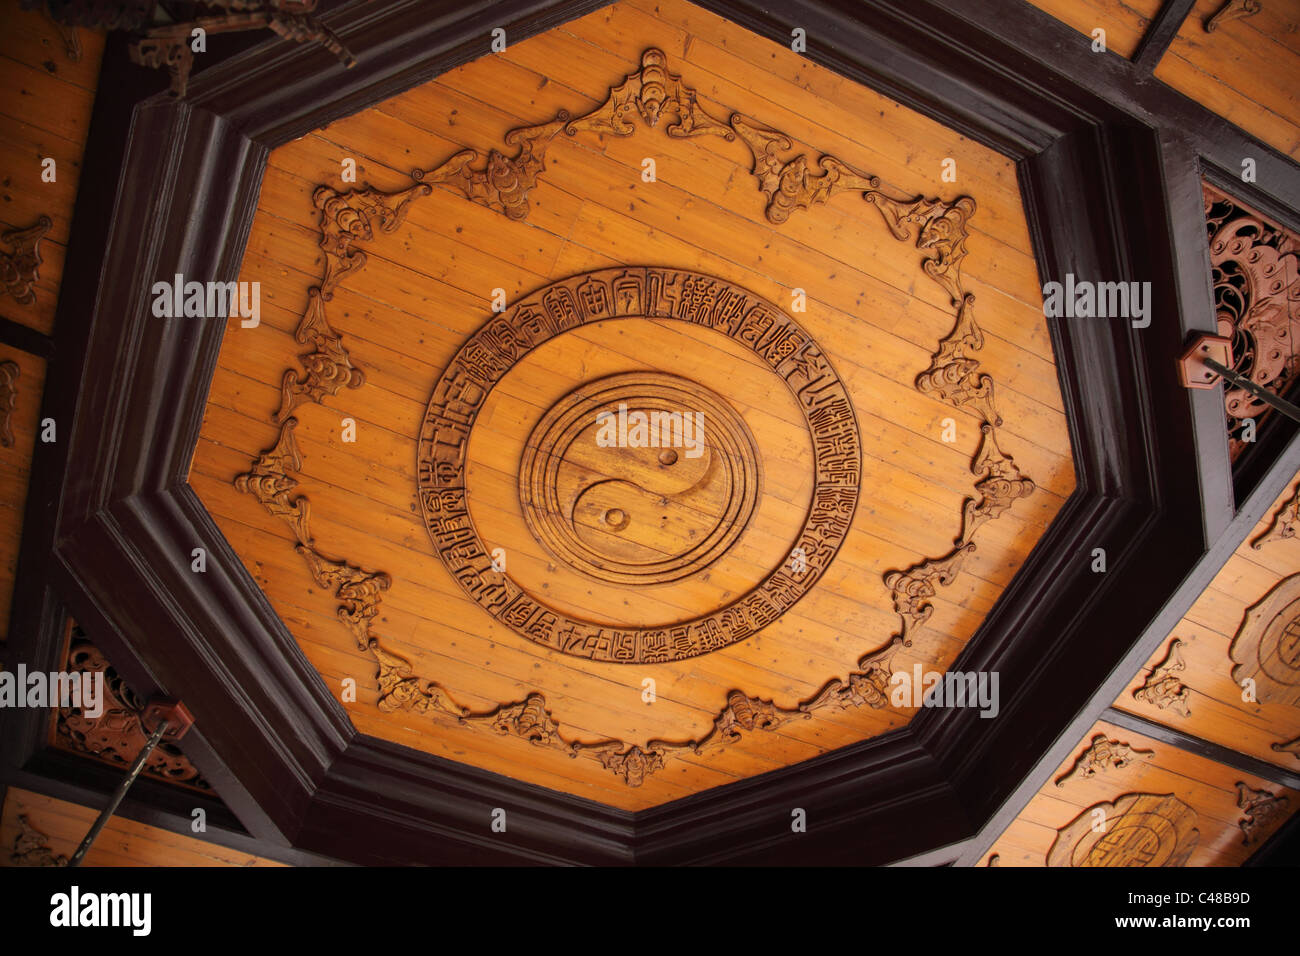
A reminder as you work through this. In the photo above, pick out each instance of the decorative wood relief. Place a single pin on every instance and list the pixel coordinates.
(1266, 648)
(1162, 689)
(1261, 808)
(1101, 755)
(9, 372)
(1137, 829)
(116, 735)
(31, 847)
(690, 455)
(1285, 523)
(1291, 747)
(1256, 276)
(170, 46)
(20, 262)
(655, 293)
(1233, 10)
(353, 217)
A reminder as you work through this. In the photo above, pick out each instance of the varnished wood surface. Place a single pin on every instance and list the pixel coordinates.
(1247, 70)
(1208, 788)
(1125, 21)
(15, 468)
(45, 112)
(1215, 704)
(122, 842)
(428, 286)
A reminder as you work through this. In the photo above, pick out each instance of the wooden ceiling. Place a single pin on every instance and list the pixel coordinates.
(871, 309)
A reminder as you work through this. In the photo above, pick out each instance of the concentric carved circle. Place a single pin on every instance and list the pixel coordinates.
(640, 478)
(639, 292)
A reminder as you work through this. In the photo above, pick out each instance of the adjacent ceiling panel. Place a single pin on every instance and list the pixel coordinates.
(1230, 671)
(1247, 69)
(932, 452)
(1125, 21)
(22, 382)
(46, 115)
(1122, 799)
(36, 830)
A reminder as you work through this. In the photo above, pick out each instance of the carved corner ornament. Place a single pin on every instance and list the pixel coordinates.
(1285, 522)
(116, 735)
(1162, 689)
(1291, 747)
(9, 372)
(1233, 10)
(1261, 808)
(31, 847)
(1255, 270)
(20, 262)
(1266, 648)
(1101, 755)
(652, 97)
(1137, 829)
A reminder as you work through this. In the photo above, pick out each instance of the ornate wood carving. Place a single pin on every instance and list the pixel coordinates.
(578, 497)
(1266, 648)
(116, 735)
(350, 217)
(1101, 755)
(20, 263)
(1261, 808)
(31, 847)
(1285, 522)
(9, 372)
(1140, 829)
(1233, 10)
(169, 46)
(674, 294)
(1161, 688)
(270, 483)
(1291, 747)
(1256, 274)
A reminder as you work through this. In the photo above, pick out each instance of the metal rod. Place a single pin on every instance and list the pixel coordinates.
(119, 793)
(1264, 395)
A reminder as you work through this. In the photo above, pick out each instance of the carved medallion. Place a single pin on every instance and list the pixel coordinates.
(1266, 648)
(639, 479)
(1138, 829)
(607, 511)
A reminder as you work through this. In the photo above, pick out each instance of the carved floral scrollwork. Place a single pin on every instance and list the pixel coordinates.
(31, 847)
(20, 264)
(9, 372)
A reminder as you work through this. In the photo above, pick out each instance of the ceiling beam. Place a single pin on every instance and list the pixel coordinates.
(1160, 33)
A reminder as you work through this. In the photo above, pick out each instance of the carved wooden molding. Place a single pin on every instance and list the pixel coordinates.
(1161, 689)
(1285, 522)
(9, 373)
(1141, 829)
(1233, 10)
(1101, 755)
(352, 217)
(1261, 808)
(1266, 648)
(20, 263)
(1256, 276)
(31, 847)
(116, 735)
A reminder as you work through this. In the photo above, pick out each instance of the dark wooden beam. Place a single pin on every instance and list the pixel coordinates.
(1161, 33)
(1202, 748)
(25, 339)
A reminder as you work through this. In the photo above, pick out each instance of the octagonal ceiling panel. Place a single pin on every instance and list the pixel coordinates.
(408, 452)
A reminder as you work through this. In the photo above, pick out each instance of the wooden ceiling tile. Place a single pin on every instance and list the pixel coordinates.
(1123, 799)
(424, 496)
(1243, 628)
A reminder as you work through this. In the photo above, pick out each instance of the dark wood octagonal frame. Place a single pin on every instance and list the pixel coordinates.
(1110, 165)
